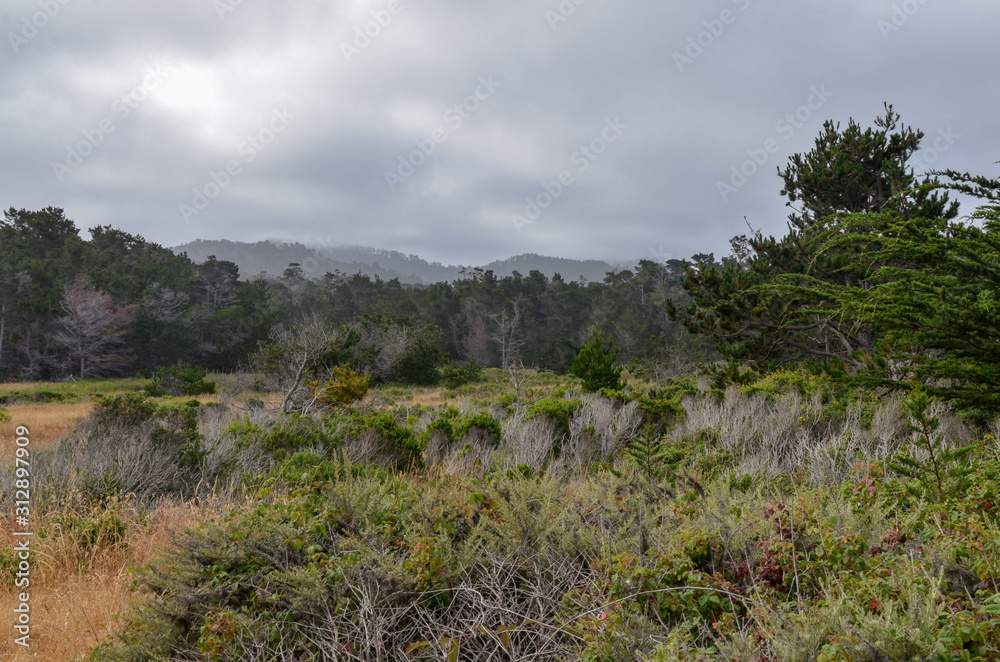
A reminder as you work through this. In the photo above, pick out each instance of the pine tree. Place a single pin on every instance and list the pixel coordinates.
(650, 453)
(595, 364)
(930, 292)
(784, 303)
(941, 471)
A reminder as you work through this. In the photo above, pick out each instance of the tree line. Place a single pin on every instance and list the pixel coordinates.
(117, 304)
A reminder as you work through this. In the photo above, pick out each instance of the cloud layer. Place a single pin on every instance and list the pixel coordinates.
(468, 131)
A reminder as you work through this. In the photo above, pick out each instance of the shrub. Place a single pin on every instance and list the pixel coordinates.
(481, 420)
(128, 445)
(377, 436)
(652, 455)
(558, 409)
(93, 530)
(306, 467)
(345, 387)
(288, 435)
(427, 351)
(124, 410)
(480, 432)
(181, 379)
(11, 397)
(454, 375)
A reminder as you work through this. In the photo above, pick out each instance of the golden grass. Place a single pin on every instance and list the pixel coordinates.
(430, 397)
(78, 600)
(47, 423)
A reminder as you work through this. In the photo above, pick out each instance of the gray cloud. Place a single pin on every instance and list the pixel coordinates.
(702, 87)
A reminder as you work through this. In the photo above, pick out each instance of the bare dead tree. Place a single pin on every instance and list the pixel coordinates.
(507, 335)
(93, 329)
(476, 343)
(518, 376)
(164, 304)
(470, 334)
(294, 351)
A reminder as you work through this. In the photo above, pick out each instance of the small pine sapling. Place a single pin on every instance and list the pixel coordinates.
(651, 454)
(941, 471)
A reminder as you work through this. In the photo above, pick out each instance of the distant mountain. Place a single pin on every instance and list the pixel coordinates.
(592, 270)
(272, 257)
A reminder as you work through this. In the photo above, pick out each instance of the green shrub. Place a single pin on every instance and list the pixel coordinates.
(33, 396)
(4, 417)
(177, 428)
(652, 455)
(942, 472)
(454, 375)
(128, 410)
(454, 427)
(345, 387)
(181, 379)
(92, 530)
(289, 435)
(558, 409)
(9, 565)
(427, 351)
(309, 468)
(483, 421)
(400, 444)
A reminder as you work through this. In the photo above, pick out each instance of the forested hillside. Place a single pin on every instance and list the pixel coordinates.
(271, 258)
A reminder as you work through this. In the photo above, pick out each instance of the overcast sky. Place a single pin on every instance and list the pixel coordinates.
(464, 130)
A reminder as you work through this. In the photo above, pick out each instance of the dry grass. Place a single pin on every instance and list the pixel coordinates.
(77, 600)
(431, 397)
(47, 421)
(411, 396)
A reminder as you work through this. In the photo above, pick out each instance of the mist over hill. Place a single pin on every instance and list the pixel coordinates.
(273, 257)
